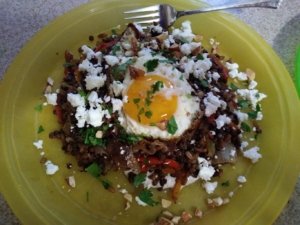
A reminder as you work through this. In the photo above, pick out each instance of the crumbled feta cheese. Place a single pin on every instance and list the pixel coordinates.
(241, 179)
(75, 99)
(81, 116)
(50, 81)
(169, 41)
(198, 68)
(244, 144)
(210, 187)
(259, 116)
(51, 98)
(252, 154)
(87, 66)
(234, 73)
(125, 99)
(95, 117)
(94, 81)
(50, 168)
(206, 171)
(145, 52)
(165, 203)
(38, 144)
(252, 95)
(117, 88)
(222, 120)
(252, 84)
(117, 104)
(156, 28)
(139, 201)
(212, 103)
(111, 60)
(187, 48)
(185, 33)
(241, 115)
(88, 52)
(215, 76)
(107, 99)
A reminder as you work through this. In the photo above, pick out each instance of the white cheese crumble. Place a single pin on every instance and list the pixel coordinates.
(75, 99)
(210, 187)
(187, 48)
(252, 95)
(212, 103)
(117, 88)
(139, 201)
(206, 170)
(111, 60)
(241, 115)
(252, 154)
(234, 73)
(51, 98)
(222, 120)
(185, 33)
(50, 81)
(95, 116)
(38, 144)
(241, 179)
(95, 81)
(117, 104)
(50, 168)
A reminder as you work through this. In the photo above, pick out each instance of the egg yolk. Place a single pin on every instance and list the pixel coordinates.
(147, 104)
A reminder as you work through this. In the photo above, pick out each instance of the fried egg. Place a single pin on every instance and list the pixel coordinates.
(155, 98)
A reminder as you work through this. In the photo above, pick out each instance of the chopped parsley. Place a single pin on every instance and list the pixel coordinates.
(139, 179)
(119, 70)
(243, 103)
(233, 87)
(204, 83)
(151, 65)
(38, 107)
(130, 138)
(106, 184)
(252, 114)
(245, 127)
(136, 100)
(89, 137)
(148, 114)
(40, 129)
(94, 169)
(199, 57)
(157, 86)
(146, 196)
(115, 49)
(172, 125)
(225, 183)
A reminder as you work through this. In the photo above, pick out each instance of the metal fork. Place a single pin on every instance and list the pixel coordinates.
(166, 15)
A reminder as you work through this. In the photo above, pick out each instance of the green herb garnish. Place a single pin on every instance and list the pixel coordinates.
(130, 138)
(146, 196)
(40, 129)
(89, 136)
(245, 127)
(118, 70)
(38, 107)
(94, 169)
(172, 125)
(151, 65)
(199, 57)
(233, 87)
(243, 103)
(106, 184)
(115, 49)
(148, 114)
(225, 183)
(136, 100)
(204, 83)
(157, 86)
(139, 179)
(252, 114)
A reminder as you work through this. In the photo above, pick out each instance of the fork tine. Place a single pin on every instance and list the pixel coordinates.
(156, 14)
(147, 21)
(146, 9)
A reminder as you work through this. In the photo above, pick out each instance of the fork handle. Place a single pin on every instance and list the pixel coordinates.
(273, 4)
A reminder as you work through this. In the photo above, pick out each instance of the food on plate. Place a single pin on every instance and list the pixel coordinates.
(160, 108)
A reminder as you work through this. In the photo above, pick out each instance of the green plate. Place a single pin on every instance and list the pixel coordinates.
(39, 199)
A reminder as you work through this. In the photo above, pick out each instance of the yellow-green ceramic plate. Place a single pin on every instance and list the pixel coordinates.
(39, 199)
